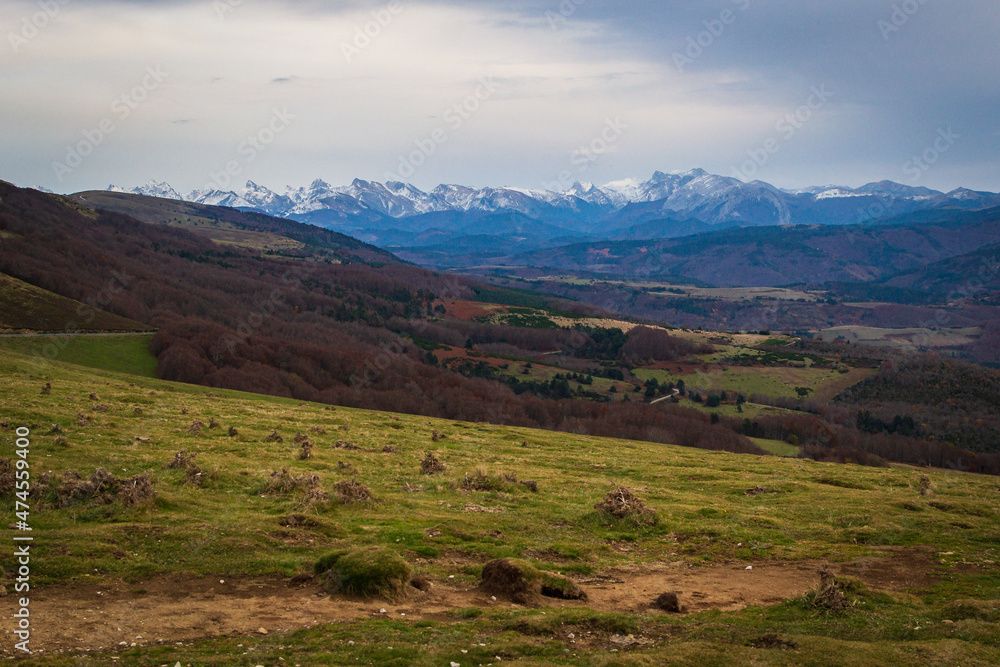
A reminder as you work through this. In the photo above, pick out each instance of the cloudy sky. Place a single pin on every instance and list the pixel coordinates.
(530, 93)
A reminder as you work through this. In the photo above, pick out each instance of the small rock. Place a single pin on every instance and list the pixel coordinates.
(749, 567)
(455, 664)
(261, 631)
(947, 622)
(382, 611)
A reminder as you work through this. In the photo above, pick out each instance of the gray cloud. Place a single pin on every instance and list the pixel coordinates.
(364, 102)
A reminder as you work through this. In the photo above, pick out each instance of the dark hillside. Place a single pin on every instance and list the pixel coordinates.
(289, 325)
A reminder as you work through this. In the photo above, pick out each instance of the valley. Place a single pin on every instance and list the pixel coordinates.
(257, 399)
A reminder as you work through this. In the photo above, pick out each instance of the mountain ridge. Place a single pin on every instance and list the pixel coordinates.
(586, 207)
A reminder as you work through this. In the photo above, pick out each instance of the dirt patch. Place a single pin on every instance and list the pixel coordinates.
(175, 608)
(902, 568)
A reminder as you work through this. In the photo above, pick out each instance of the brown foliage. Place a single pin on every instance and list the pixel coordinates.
(623, 503)
(349, 492)
(431, 465)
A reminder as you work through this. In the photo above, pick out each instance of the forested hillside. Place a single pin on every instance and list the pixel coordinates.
(311, 329)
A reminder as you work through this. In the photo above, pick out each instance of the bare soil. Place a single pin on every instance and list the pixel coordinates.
(175, 609)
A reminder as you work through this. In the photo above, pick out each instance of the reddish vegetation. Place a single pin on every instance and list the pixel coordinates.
(294, 326)
(302, 326)
(468, 310)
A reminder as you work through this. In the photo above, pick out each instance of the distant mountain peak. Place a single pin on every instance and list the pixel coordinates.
(694, 194)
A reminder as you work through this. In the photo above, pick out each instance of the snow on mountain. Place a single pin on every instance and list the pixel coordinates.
(217, 198)
(838, 192)
(891, 188)
(150, 189)
(694, 194)
(264, 199)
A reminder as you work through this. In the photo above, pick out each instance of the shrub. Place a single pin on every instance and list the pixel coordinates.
(622, 503)
(522, 583)
(352, 491)
(104, 488)
(431, 465)
(834, 593)
(283, 483)
(372, 572)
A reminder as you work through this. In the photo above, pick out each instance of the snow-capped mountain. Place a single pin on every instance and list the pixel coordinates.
(585, 208)
(150, 189)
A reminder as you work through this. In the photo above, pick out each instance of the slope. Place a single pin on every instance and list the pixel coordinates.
(201, 572)
(30, 308)
(232, 227)
(771, 256)
(299, 324)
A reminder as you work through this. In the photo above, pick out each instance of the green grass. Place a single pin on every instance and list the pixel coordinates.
(777, 447)
(778, 381)
(120, 353)
(230, 527)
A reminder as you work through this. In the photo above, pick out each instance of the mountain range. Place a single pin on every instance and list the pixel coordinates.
(395, 214)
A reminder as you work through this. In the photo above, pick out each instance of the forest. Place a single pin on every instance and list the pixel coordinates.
(345, 324)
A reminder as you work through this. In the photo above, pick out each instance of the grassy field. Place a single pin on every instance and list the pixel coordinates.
(777, 447)
(909, 339)
(188, 216)
(126, 353)
(770, 381)
(929, 559)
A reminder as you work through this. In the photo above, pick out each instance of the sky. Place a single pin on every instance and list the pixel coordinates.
(526, 93)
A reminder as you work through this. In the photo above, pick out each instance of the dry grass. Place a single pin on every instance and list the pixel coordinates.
(103, 488)
(431, 465)
(350, 492)
(622, 503)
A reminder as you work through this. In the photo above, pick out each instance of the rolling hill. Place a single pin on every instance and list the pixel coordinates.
(203, 541)
(772, 256)
(27, 308)
(231, 227)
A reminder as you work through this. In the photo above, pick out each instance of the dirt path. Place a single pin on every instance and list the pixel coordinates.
(169, 609)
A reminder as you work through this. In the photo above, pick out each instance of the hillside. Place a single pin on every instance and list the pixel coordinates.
(299, 323)
(771, 256)
(311, 326)
(740, 540)
(209, 561)
(29, 308)
(974, 275)
(231, 227)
